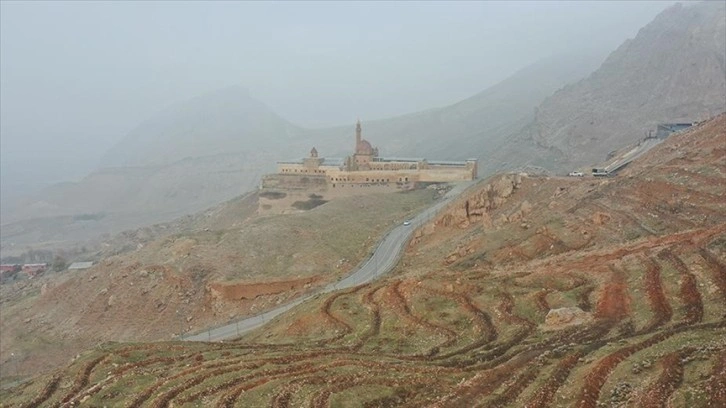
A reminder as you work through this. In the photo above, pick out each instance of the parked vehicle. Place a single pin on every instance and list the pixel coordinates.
(576, 174)
(600, 173)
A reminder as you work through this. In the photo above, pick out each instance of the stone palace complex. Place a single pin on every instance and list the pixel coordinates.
(361, 173)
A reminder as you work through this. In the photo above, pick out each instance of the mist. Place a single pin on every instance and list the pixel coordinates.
(76, 77)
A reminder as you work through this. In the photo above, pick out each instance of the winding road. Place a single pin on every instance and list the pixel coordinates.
(384, 258)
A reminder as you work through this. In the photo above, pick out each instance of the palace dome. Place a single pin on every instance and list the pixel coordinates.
(364, 147)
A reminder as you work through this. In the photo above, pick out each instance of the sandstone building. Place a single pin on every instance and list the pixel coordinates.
(360, 173)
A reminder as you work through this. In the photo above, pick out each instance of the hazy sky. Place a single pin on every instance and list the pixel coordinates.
(75, 77)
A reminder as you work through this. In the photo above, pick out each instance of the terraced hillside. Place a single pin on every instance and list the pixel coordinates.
(530, 291)
(198, 272)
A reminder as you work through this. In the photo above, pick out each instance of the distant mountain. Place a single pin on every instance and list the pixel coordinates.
(216, 146)
(192, 155)
(221, 122)
(674, 70)
(472, 127)
(114, 199)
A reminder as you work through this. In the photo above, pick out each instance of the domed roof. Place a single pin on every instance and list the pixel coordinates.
(364, 147)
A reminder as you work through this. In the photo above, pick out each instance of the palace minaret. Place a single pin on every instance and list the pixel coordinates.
(357, 134)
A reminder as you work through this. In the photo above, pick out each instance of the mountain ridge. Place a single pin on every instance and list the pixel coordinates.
(229, 121)
(674, 70)
(540, 117)
(170, 176)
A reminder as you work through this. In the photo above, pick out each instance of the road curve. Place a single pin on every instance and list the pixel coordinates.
(384, 258)
(639, 150)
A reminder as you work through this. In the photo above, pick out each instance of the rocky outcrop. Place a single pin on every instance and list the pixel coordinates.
(478, 206)
(476, 209)
(566, 316)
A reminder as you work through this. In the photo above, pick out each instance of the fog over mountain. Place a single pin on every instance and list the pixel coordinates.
(216, 146)
(137, 204)
(75, 78)
(220, 122)
(674, 70)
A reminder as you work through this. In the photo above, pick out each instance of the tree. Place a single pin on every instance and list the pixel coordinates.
(59, 263)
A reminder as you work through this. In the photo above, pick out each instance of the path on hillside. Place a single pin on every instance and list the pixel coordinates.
(639, 150)
(384, 258)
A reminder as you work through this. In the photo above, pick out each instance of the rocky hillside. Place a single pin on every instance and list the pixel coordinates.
(217, 146)
(196, 272)
(186, 159)
(674, 70)
(529, 291)
(210, 147)
(474, 126)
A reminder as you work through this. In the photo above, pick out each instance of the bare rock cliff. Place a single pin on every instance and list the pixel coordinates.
(476, 208)
(674, 70)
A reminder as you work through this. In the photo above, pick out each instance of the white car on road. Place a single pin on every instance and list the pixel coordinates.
(576, 174)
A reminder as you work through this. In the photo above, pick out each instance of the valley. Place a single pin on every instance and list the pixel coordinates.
(233, 258)
(205, 270)
(528, 291)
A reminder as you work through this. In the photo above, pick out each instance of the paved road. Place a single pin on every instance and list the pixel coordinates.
(633, 154)
(384, 258)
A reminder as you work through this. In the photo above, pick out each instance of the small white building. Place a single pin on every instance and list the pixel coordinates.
(80, 265)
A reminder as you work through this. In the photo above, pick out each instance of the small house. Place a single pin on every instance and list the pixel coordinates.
(33, 270)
